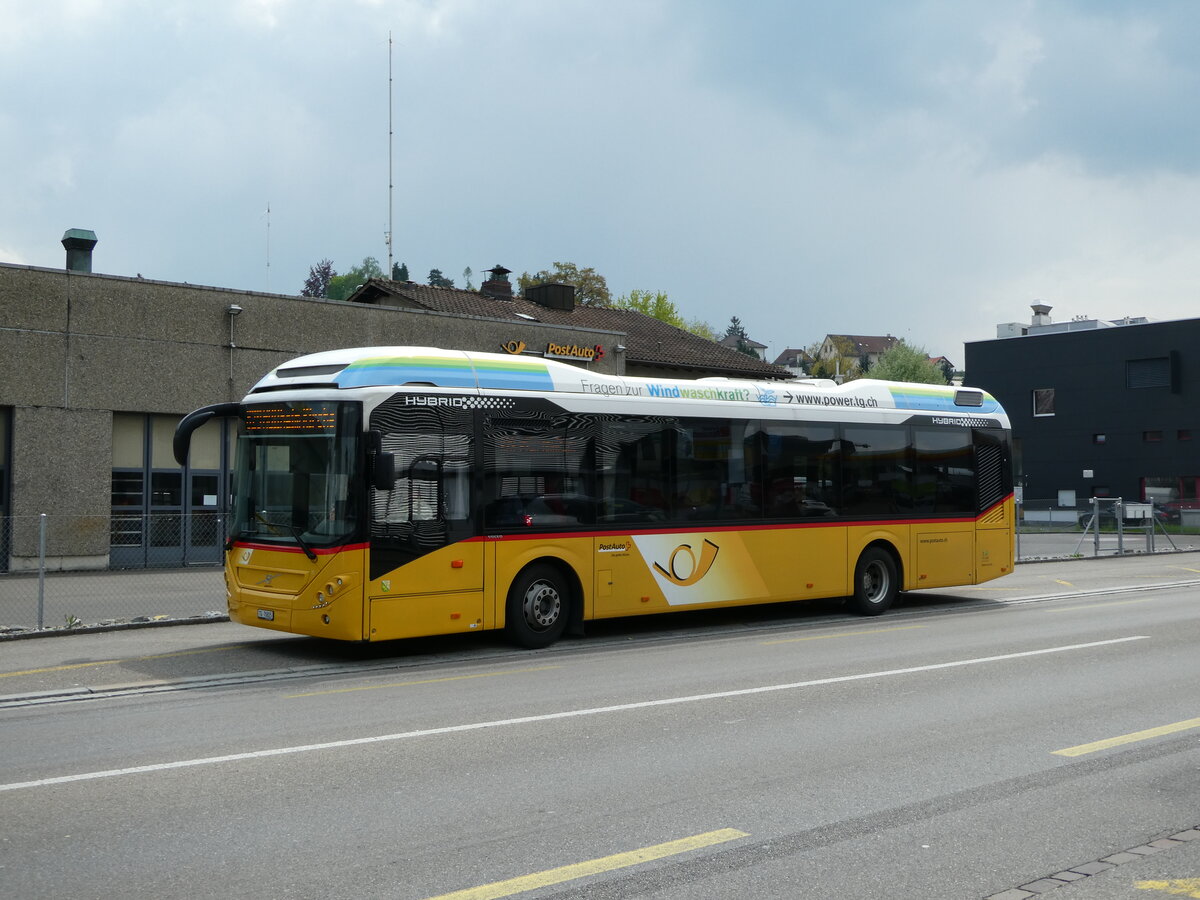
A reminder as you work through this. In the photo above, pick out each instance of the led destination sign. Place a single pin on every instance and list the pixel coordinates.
(291, 418)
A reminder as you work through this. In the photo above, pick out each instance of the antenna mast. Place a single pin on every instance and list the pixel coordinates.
(390, 179)
(268, 246)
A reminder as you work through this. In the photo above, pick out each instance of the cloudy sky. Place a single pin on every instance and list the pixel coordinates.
(924, 169)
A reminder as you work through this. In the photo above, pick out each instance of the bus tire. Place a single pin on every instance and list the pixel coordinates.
(538, 607)
(876, 583)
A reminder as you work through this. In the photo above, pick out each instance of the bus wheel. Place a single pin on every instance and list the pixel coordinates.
(875, 582)
(537, 607)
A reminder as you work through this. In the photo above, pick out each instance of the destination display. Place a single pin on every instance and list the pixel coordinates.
(310, 417)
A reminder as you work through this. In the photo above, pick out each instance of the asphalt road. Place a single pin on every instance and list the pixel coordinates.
(972, 743)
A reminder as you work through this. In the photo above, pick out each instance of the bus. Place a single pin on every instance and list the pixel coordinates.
(396, 492)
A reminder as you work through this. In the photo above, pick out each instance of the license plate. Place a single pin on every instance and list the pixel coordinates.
(268, 614)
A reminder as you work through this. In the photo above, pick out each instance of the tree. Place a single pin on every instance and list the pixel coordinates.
(342, 286)
(590, 287)
(467, 273)
(905, 363)
(319, 276)
(701, 328)
(737, 330)
(947, 370)
(654, 304)
(399, 271)
(437, 279)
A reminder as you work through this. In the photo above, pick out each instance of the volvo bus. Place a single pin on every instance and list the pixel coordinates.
(395, 492)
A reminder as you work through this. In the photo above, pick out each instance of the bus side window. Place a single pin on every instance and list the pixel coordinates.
(875, 470)
(537, 472)
(944, 472)
(800, 466)
(634, 471)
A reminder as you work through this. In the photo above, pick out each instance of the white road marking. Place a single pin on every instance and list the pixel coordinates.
(550, 717)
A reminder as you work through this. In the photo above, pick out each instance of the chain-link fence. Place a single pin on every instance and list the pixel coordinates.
(1102, 526)
(69, 571)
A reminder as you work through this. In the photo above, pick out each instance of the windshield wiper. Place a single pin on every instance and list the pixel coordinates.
(292, 530)
(299, 540)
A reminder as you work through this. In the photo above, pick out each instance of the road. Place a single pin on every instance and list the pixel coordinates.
(972, 743)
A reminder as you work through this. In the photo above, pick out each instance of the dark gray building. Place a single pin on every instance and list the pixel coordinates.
(96, 370)
(1098, 408)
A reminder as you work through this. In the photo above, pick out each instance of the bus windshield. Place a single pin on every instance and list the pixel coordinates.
(297, 463)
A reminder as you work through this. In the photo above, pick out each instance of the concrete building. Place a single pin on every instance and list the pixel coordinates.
(1099, 408)
(96, 370)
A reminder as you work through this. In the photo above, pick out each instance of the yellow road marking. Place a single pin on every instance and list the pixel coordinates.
(593, 867)
(1129, 738)
(1098, 605)
(822, 637)
(1186, 569)
(376, 687)
(1180, 887)
(1060, 581)
(113, 662)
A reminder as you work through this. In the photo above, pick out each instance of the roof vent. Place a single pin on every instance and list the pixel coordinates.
(79, 243)
(552, 296)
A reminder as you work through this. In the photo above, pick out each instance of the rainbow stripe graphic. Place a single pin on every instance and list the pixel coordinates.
(938, 399)
(517, 374)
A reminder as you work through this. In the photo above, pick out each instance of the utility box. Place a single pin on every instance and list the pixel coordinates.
(1139, 512)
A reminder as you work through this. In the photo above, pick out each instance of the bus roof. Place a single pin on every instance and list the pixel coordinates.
(468, 370)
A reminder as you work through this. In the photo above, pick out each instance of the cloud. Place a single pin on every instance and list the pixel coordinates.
(918, 168)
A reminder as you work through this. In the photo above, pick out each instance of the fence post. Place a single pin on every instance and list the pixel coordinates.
(1096, 526)
(1119, 516)
(42, 572)
(1017, 527)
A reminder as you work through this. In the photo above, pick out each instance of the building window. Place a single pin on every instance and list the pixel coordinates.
(1099, 438)
(1148, 373)
(1183, 434)
(1043, 402)
(1152, 437)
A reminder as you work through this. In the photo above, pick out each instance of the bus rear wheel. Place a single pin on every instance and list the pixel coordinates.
(538, 605)
(875, 583)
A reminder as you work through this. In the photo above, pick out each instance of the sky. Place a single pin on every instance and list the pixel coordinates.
(921, 169)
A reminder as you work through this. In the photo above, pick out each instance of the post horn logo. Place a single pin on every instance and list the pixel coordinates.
(514, 347)
(683, 569)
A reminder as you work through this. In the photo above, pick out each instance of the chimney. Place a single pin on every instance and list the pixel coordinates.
(552, 296)
(498, 287)
(1041, 313)
(79, 243)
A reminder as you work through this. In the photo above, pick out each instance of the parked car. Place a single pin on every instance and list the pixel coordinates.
(1173, 509)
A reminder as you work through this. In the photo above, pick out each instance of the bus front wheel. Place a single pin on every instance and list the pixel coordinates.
(537, 609)
(875, 582)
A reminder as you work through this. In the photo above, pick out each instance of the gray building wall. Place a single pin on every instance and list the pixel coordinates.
(76, 347)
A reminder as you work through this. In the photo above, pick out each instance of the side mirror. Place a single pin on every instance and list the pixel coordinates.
(193, 420)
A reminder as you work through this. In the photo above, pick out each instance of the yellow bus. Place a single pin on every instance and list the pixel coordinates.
(394, 492)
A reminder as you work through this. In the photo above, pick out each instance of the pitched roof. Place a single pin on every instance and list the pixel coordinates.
(793, 353)
(868, 343)
(731, 340)
(648, 341)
